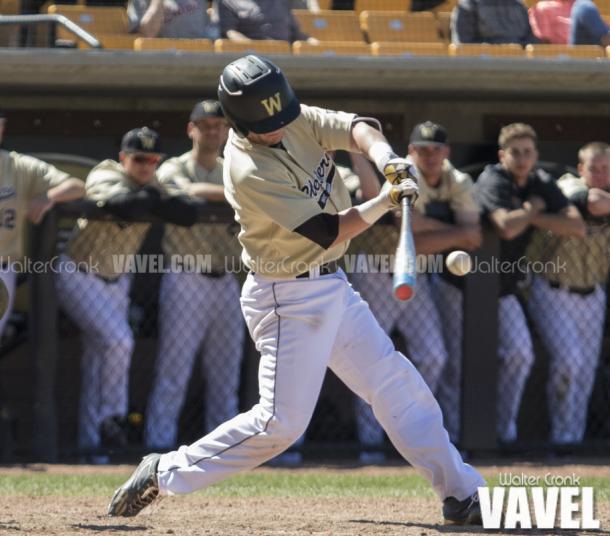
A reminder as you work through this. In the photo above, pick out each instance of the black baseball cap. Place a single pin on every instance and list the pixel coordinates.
(206, 108)
(141, 140)
(428, 133)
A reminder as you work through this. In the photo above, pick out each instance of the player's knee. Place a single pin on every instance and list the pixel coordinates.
(286, 431)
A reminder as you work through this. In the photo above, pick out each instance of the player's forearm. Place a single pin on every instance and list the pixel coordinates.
(234, 35)
(371, 142)
(598, 202)
(151, 22)
(210, 192)
(560, 224)
(351, 225)
(68, 190)
(512, 223)
(369, 183)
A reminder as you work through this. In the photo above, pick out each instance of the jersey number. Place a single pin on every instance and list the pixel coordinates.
(7, 218)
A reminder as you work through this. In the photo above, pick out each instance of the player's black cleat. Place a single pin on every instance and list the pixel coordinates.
(466, 512)
(139, 491)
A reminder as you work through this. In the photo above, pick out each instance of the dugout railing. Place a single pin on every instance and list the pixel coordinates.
(333, 429)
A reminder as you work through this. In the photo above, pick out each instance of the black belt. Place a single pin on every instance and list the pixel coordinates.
(325, 269)
(574, 290)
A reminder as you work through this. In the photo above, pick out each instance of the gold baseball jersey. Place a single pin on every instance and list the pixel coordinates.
(579, 263)
(274, 190)
(213, 239)
(21, 178)
(97, 243)
(454, 188)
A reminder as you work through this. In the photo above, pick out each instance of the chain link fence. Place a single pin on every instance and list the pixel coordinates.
(153, 353)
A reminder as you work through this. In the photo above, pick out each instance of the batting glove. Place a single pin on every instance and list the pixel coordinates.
(396, 192)
(399, 169)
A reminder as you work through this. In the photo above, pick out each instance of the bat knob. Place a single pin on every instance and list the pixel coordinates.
(403, 292)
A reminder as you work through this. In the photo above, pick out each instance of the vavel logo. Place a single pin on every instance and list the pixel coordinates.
(538, 502)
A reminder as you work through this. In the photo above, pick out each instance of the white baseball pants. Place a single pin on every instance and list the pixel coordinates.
(196, 312)
(99, 309)
(417, 320)
(301, 327)
(9, 277)
(571, 328)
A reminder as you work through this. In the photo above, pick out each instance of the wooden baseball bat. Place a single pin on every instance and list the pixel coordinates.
(403, 282)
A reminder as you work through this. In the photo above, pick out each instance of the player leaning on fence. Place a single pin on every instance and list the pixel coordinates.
(296, 221)
(96, 295)
(29, 188)
(568, 300)
(517, 198)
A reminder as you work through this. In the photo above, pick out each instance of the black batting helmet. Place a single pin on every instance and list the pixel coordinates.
(255, 96)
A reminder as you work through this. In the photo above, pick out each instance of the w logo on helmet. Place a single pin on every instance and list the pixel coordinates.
(273, 104)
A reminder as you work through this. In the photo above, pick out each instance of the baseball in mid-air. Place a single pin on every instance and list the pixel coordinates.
(458, 263)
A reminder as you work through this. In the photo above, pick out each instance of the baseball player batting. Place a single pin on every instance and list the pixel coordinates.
(296, 222)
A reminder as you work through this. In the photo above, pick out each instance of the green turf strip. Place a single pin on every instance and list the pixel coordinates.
(254, 485)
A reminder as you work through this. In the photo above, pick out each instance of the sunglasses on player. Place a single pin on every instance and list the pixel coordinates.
(146, 158)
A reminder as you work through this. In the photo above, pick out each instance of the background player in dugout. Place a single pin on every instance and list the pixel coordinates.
(568, 304)
(517, 197)
(96, 296)
(29, 189)
(296, 219)
(445, 218)
(199, 311)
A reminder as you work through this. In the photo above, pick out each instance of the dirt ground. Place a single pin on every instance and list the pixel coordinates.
(199, 515)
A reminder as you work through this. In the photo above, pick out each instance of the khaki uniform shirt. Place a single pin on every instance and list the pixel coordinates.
(97, 243)
(21, 178)
(215, 239)
(273, 191)
(575, 262)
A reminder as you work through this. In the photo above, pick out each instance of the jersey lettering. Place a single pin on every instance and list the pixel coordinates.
(323, 177)
(273, 104)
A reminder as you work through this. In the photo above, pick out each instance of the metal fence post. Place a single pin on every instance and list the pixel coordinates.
(43, 338)
(480, 349)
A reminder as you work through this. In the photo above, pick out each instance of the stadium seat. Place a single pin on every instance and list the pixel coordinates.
(264, 46)
(444, 25)
(398, 26)
(113, 41)
(96, 20)
(408, 49)
(161, 43)
(331, 48)
(382, 5)
(485, 49)
(446, 7)
(330, 25)
(9, 35)
(603, 6)
(565, 51)
(10, 7)
(325, 4)
(529, 3)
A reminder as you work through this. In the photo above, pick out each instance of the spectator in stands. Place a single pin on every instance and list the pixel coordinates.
(199, 312)
(588, 26)
(311, 5)
(445, 218)
(93, 283)
(171, 18)
(30, 188)
(491, 21)
(243, 20)
(516, 198)
(550, 20)
(568, 301)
